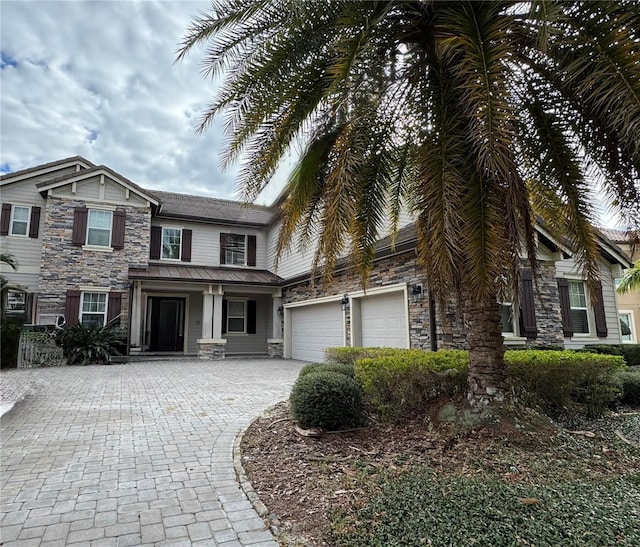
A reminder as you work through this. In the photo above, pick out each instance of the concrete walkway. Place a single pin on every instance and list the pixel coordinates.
(136, 454)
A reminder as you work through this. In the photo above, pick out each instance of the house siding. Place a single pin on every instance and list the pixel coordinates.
(252, 343)
(68, 267)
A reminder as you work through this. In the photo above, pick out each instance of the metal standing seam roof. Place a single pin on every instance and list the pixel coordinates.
(213, 209)
(206, 274)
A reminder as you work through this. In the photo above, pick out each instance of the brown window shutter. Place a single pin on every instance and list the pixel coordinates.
(598, 312)
(156, 242)
(224, 316)
(114, 306)
(34, 223)
(79, 235)
(565, 307)
(223, 248)
(5, 218)
(117, 233)
(187, 236)
(72, 308)
(528, 315)
(251, 317)
(251, 250)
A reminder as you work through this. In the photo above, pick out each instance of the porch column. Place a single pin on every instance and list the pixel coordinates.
(136, 315)
(277, 317)
(217, 316)
(207, 315)
(274, 344)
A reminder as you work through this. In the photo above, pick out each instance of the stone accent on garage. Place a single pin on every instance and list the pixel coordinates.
(403, 268)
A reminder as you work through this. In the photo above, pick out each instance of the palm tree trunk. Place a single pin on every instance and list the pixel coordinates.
(487, 371)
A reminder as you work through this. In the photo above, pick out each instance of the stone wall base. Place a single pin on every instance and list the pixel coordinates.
(275, 348)
(211, 349)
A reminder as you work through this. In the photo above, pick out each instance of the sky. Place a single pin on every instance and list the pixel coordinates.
(98, 79)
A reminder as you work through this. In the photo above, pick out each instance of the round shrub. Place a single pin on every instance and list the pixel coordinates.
(630, 381)
(341, 368)
(327, 399)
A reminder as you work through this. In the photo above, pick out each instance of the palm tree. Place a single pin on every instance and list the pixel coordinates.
(630, 280)
(478, 116)
(10, 260)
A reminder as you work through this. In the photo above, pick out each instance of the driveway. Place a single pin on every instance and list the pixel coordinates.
(136, 454)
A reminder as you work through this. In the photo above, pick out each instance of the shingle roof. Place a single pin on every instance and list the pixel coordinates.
(44, 167)
(617, 236)
(208, 274)
(213, 209)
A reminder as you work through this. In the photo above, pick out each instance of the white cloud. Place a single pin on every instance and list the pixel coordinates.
(98, 79)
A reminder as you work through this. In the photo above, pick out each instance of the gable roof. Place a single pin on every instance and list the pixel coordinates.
(91, 172)
(45, 168)
(185, 206)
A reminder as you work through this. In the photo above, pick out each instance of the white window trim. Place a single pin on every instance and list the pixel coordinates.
(86, 236)
(244, 317)
(13, 208)
(106, 305)
(589, 310)
(246, 251)
(632, 326)
(162, 245)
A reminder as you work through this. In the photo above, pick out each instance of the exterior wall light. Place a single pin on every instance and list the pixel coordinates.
(416, 293)
(344, 303)
(280, 310)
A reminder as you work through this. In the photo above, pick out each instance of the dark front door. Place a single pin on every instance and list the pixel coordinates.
(167, 324)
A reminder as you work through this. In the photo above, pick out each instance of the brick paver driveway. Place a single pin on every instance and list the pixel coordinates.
(137, 454)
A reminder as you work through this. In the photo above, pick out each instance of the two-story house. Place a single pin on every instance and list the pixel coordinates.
(195, 275)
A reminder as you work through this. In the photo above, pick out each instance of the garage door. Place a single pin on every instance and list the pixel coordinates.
(384, 320)
(314, 328)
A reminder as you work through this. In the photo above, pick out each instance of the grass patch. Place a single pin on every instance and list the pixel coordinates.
(422, 508)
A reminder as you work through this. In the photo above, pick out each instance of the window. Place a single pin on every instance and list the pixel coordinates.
(235, 250)
(93, 311)
(578, 305)
(171, 243)
(507, 320)
(236, 316)
(16, 302)
(626, 327)
(99, 228)
(20, 220)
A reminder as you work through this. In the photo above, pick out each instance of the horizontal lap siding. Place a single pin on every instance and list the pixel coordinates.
(194, 322)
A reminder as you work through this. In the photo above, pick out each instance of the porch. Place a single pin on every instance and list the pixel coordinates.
(209, 312)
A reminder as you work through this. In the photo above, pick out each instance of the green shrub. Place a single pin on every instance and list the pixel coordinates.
(630, 385)
(402, 384)
(9, 342)
(83, 345)
(559, 380)
(342, 368)
(327, 399)
(349, 356)
(630, 352)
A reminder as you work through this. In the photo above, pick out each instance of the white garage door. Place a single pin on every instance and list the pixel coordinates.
(384, 320)
(314, 328)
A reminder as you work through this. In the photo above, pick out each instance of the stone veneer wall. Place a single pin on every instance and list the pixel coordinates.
(67, 267)
(450, 331)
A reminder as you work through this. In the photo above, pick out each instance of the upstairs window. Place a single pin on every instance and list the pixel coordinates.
(235, 250)
(171, 243)
(20, 220)
(99, 228)
(238, 249)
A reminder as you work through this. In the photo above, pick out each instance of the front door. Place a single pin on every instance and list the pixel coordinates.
(167, 324)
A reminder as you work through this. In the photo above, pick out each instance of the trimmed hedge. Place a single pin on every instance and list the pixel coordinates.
(630, 385)
(327, 399)
(630, 352)
(559, 380)
(342, 368)
(401, 382)
(9, 342)
(348, 355)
